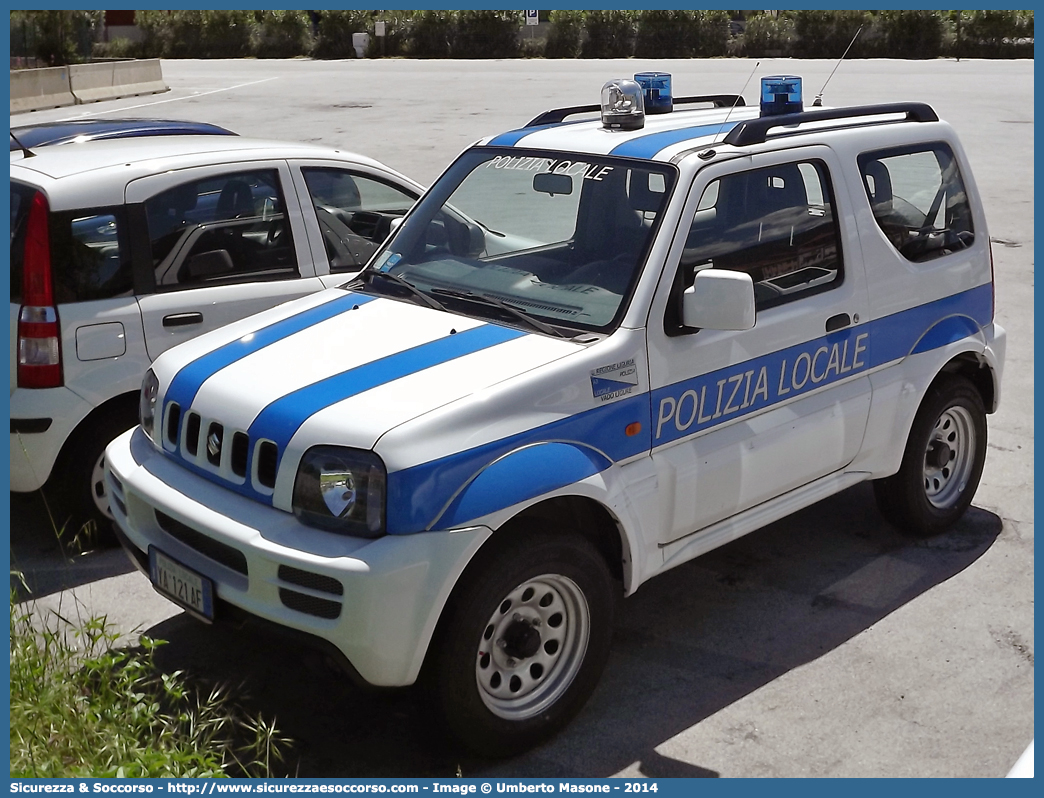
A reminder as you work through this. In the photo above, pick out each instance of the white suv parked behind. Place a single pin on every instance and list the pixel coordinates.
(121, 249)
(666, 332)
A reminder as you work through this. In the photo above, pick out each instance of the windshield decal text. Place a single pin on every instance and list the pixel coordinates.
(589, 171)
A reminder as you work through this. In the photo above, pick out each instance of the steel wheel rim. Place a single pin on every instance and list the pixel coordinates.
(949, 457)
(552, 611)
(99, 490)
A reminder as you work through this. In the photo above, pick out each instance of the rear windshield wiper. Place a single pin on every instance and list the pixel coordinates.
(427, 299)
(486, 299)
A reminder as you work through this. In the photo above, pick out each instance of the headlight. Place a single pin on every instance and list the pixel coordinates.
(147, 403)
(341, 490)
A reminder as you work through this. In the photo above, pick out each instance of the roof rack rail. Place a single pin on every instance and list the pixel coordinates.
(559, 114)
(755, 131)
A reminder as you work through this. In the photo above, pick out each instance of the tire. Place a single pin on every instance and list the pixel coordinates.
(522, 642)
(77, 489)
(942, 463)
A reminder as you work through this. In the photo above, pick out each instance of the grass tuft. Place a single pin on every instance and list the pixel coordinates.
(81, 707)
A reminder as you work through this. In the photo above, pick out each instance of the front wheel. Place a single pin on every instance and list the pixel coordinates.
(523, 642)
(943, 461)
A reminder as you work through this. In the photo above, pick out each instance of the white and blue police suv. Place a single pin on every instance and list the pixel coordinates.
(593, 351)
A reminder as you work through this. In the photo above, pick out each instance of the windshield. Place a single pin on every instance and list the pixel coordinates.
(557, 238)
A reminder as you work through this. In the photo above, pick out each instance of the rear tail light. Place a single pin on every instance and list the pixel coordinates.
(39, 345)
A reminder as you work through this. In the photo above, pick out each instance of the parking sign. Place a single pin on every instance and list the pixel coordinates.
(532, 17)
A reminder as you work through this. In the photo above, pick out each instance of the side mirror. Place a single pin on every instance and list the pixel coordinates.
(719, 300)
(394, 224)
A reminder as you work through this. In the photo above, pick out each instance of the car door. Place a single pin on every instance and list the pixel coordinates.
(742, 417)
(348, 212)
(215, 244)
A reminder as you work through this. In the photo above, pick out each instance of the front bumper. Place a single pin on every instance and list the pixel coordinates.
(376, 601)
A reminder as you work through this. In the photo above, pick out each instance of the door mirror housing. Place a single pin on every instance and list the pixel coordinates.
(719, 300)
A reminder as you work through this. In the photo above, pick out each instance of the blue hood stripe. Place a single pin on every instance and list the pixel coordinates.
(282, 418)
(647, 146)
(187, 382)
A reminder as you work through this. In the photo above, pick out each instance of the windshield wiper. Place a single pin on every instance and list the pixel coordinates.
(427, 299)
(486, 299)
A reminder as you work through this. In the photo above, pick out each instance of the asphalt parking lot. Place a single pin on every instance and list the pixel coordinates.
(824, 645)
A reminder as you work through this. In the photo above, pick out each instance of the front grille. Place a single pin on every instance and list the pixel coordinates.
(119, 504)
(222, 454)
(324, 584)
(309, 605)
(208, 547)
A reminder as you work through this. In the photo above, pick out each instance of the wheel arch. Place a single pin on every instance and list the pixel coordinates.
(976, 369)
(123, 405)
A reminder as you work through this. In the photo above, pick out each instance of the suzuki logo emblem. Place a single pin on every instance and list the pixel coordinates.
(213, 444)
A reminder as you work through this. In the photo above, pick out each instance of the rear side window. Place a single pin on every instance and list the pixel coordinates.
(90, 256)
(89, 251)
(918, 200)
(226, 228)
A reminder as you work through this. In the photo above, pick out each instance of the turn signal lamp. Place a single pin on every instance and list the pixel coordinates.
(622, 106)
(781, 94)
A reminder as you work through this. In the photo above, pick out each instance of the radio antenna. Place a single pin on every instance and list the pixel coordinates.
(26, 152)
(819, 97)
(738, 97)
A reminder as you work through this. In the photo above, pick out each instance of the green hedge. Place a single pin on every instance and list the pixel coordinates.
(486, 34)
(570, 34)
(566, 34)
(610, 34)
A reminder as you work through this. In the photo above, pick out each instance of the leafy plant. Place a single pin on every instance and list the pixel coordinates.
(486, 34)
(82, 707)
(610, 34)
(565, 34)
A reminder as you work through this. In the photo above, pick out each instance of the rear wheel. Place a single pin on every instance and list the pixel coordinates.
(523, 642)
(77, 484)
(943, 461)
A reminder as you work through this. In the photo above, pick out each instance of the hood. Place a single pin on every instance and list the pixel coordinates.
(353, 366)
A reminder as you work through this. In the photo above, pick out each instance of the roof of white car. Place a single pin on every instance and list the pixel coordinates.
(151, 155)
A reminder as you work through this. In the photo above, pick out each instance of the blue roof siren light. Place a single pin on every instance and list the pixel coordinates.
(656, 88)
(622, 105)
(781, 94)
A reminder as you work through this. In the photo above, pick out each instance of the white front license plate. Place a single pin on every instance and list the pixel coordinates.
(182, 585)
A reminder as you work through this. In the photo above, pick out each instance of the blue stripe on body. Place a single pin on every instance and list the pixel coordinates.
(417, 495)
(282, 418)
(647, 146)
(187, 382)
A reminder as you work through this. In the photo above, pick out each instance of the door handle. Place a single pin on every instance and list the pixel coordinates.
(838, 322)
(182, 319)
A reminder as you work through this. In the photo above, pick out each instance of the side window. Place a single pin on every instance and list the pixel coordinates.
(918, 199)
(354, 213)
(224, 229)
(777, 224)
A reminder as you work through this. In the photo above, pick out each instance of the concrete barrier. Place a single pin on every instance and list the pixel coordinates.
(111, 80)
(36, 89)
